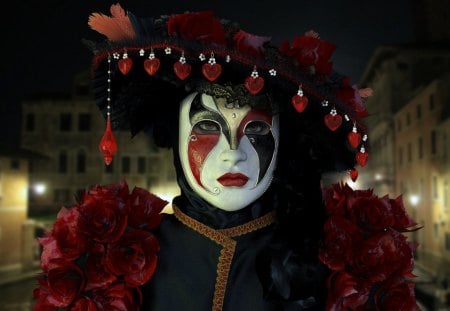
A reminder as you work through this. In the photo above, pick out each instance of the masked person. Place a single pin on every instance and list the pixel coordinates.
(253, 127)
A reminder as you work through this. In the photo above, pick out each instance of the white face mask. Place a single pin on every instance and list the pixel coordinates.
(228, 155)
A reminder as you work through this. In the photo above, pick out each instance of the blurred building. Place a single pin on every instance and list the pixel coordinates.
(17, 243)
(422, 172)
(409, 131)
(67, 130)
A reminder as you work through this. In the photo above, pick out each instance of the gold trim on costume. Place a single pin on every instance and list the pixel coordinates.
(223, 237)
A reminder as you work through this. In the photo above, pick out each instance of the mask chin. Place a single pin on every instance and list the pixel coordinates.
(227, 178)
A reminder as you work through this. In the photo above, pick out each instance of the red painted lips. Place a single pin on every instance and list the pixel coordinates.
(233, 180)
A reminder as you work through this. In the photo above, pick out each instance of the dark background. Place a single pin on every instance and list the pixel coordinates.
(42, 48)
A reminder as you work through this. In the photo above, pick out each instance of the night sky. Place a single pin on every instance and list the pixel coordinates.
(42, 48)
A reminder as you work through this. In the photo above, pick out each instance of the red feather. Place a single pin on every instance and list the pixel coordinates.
(117, 27)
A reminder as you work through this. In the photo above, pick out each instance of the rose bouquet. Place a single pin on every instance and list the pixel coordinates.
(100, 251)
(370, 259)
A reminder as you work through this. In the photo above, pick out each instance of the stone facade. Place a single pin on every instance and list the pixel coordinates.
(408, 130)
(67, 132)
(16, 241)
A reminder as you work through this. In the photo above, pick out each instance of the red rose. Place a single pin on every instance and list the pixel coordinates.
(338, 246)
(65, 282)
(50, 250)
(350, 95)
(344, 292)
(133, 256)
(371, 213)
(97, 274)
(397, 294)
(103, 212)
(199, 26)
(70, 240)
(118, 298)
(145, 209)
(42, 294)
(249, 43)
(402, 220)
(84, 304)
(335, 199)
(311, 51)
(382, 256)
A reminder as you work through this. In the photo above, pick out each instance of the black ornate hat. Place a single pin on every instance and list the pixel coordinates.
(146, 65)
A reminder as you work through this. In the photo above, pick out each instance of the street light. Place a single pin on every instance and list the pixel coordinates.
(414, 199)
(39, 188)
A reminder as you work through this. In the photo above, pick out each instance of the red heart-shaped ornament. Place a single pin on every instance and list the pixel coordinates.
(254, 85)
(353, 174)
(125, 65)
(182, 70)
(333, 121)
(299, 102)
(108, 145)
(354, 139)
(361, 158)
(151, 65)
(211, 72)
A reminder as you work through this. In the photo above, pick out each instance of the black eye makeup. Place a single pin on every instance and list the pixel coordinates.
(257, 128)
(207, 127)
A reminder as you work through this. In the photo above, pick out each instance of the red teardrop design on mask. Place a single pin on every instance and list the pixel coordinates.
(182, 70)
(125, 65)
(299, 102)
(108, 145)
(354, 139)
(333, 121)
(211, 72)
(254, 85)
(353, 174)
(151, 65)
(361, 158)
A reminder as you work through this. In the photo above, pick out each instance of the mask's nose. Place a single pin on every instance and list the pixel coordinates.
(233, 156)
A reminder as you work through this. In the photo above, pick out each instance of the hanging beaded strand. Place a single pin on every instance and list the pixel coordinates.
(108, 145)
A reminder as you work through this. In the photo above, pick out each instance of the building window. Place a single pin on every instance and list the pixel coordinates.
(30, 122)
(420, 147)
(418, 111)
(141, 165)
(62, 162)
(126, 165)
(409, 152)
(445, 195)
(79, 194)
(15, 164)
(408, 119)
(109, 169)
(84, 122)
(433, 142)
(399, 125)
(1, 185)
(65, 122)
(81, 162)
(447, 241)
(435, 230)
(400, 156)
(61, 195)
(431, 102)
(434, 187)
